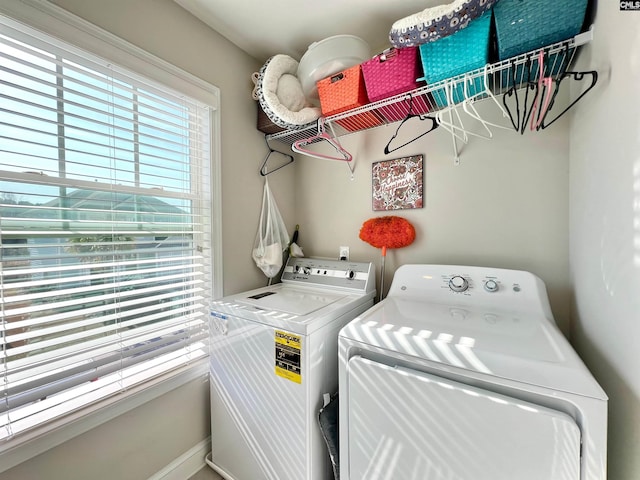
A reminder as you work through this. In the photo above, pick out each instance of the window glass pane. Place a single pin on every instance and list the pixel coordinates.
(103, 231)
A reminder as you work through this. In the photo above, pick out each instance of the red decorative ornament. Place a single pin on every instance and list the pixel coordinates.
(387, 232)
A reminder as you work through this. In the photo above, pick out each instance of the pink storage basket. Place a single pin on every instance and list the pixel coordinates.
(391, 73)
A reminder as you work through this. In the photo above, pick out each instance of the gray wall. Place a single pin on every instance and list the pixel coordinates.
(605, 228)
(133, 446)
(505, 205)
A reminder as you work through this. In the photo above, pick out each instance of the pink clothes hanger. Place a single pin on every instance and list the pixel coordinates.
(541, 104)
(322, 136)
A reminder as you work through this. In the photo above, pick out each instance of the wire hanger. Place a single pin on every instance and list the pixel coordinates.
(578, 76)
(410, 115)
(263, 169)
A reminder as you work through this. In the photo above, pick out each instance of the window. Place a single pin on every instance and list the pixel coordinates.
(105, 229)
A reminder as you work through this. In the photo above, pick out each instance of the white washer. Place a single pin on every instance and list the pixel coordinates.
(462, 374)
(274, 353)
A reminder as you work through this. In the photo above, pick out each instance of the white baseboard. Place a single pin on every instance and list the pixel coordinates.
(186, 464)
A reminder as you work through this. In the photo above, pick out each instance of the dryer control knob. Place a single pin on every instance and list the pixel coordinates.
(458, 284)
(491, 286)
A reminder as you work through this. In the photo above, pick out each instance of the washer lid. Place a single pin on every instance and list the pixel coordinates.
(508, 344)
(301, 310)
(290, 300)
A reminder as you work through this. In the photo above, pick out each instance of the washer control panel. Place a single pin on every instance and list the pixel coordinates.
(339, 274)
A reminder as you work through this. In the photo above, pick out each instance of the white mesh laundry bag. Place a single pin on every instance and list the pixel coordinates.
(272, 238)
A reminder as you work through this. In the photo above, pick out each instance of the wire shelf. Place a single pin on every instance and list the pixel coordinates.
(499, 77)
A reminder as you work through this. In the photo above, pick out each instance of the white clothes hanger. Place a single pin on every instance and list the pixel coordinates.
(487, 93)
(490, 94)
(451, 126)
(448, 126)
(451, 108)
(470, 109)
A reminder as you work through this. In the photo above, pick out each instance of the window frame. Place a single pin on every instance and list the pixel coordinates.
(54, 21)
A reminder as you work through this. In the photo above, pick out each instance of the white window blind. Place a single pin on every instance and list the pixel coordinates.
(105, 229)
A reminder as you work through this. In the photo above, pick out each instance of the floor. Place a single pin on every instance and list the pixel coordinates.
(206, 474)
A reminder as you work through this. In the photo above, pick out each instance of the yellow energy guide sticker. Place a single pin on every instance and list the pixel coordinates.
(288, 356)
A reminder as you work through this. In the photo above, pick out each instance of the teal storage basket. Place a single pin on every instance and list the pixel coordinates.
(465, 50)
(525, 25)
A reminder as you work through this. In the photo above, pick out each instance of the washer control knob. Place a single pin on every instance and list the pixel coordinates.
(351, 274)
(491, 286)
(458, 284)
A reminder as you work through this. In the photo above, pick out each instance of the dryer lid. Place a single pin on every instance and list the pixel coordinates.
(504, 343)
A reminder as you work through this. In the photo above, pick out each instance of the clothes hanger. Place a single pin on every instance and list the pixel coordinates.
(448, 126)
(541, 104)
(456, 131)
(263, 169)
(531, 85)
(521, 119)
(547, 89)
(578, 76)
(410, 115)
(489, 94)
(512, 92)
(453, 108)
(468, 105)
(322, 136)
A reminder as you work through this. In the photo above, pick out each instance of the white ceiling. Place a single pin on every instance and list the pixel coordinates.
(264, 28)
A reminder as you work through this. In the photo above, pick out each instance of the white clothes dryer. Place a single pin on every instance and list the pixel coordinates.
(274, 353)
(462, 374)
